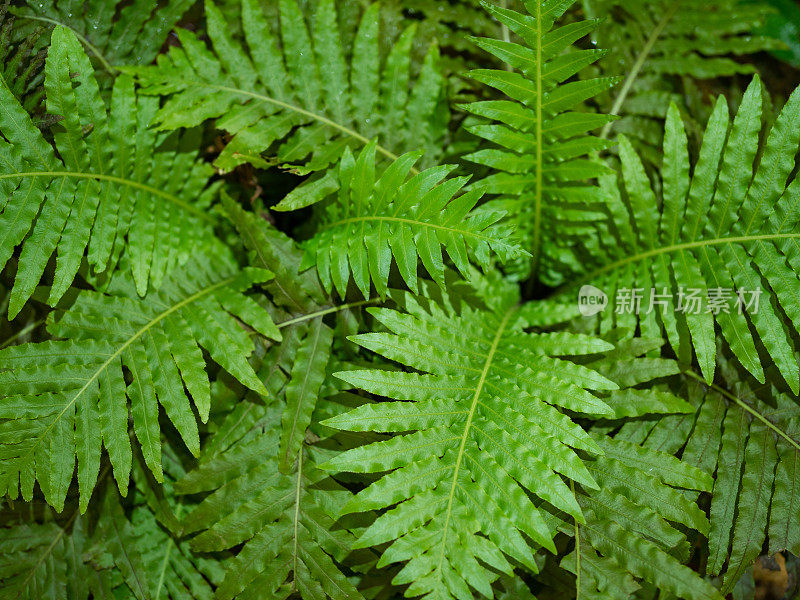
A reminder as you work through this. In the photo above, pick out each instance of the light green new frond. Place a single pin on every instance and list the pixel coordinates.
(300, 93)
(114, 32)
(375, 218)
(68, 397)
(109, 183)
(539, 142)
(482, 407)
(718, 244)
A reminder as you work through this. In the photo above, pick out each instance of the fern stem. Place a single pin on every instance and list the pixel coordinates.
(577, 550)
(637, 66)
(297, 515)
(165, 561)
(723, 392)
(537, 208)
(22, 332)
(325, 311)
(103, 60)
(346, 130)
(114, 179)
(478, 390)
(505, 33)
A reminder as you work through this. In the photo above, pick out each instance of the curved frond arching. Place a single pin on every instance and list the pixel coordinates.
(110, 182)
(724, 232)
(539, 138)
(309, 95)
(65, 398)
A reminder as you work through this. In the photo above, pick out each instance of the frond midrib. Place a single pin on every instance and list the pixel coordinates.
(114, 179)
(414, 222)
(461, 449)
(117, 353)
(744, 239)
(299, 110)
(633, 74)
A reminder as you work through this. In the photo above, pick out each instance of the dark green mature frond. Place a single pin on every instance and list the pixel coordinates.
(656, 44)
(641, 521)
(65, 398)
(110, 182)
(540, 143)
(731, 225)
(450, 23)
(484, 410)
(284, 520)
(114, 32)
(21, 60)
(45, 560)
(750, 436)
(375, 218)
(635, 523)
(306, 99)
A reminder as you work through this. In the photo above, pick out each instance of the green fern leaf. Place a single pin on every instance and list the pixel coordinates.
(44, 560)
(659, 46)
(539, 140)
(728, 227)
(114, 179)
(310, 96)
(375, 219)
(66, 397)
(290, 540)
(114, 32)
(486, 425)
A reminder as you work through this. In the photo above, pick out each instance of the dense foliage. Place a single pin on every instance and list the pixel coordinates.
(435, 298)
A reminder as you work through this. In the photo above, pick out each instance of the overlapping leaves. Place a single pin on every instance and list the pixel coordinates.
(68, 397)
(309, 96)
(109, 184)
(483, 411)
(376, 218)
(726, 234)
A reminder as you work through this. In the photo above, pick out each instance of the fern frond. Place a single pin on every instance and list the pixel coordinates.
(45, 560)
(376, 218)
(539, 140)
(22, 60)
(111, 179)
(755, 455)
(284, 520)
(731, 225)
(114, 32)
(310, 97)
(484, 412)
(66, 397)
(655, 45)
